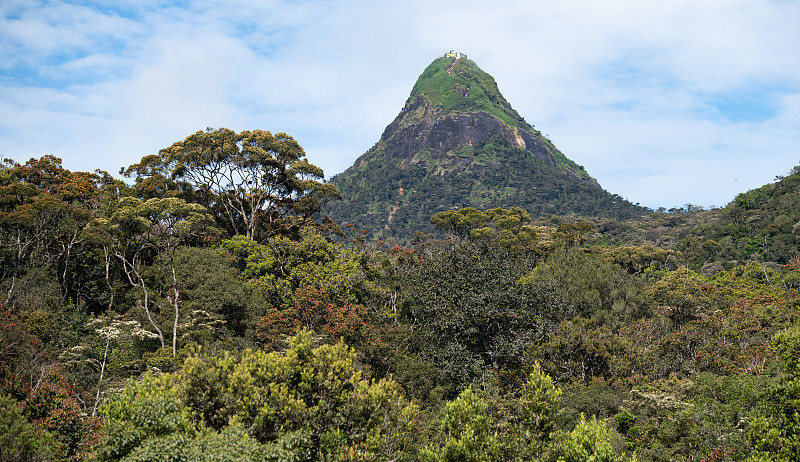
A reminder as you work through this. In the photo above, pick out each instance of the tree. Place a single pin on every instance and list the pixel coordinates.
(474, 317)
(210, 286)
(467, 430)
(43, 208)
(102, 359)
(637, 259)
(310, 282)
(151, 231)
(314, 310)
(574, 282)
(460, 222)
(590, 441)
(468, 221)
(305, 404)
(24, 362)
(19, 440)
(31, 380)
(681, 293)
(251, 179)
(539, 413)
(776, 433)
(581, 350)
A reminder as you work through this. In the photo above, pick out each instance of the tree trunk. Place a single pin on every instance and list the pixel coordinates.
(175, 295)
(130, 272)
(100, 382)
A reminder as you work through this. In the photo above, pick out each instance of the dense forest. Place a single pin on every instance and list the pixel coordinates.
(208, 310)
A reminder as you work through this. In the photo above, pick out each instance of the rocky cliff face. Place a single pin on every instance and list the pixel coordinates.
(441, 134)
(459, 143)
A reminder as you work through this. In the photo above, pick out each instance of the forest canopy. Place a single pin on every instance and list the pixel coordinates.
(211, 311)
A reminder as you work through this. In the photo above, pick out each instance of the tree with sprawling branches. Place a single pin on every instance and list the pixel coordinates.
(253, 181)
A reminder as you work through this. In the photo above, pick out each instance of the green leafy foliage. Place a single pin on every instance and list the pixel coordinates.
(580, 350)
(589, 441)
(214, 299)
(467, 431)
(776, 432)
(43, 417)
(521, 335)
(304, 404)
(19, 440)
(475, 316)
(572, 282)
(150, 232)
(677, 419)
(540, 413)
(43, 208)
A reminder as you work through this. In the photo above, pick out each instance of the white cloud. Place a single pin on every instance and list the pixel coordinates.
(61, 31)
(629, 89)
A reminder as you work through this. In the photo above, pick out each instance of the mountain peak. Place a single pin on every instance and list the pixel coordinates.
(453, 104)
(458, 143)
(453, 83)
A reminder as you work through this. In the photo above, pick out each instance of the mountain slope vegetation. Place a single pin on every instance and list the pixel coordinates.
(458, 143)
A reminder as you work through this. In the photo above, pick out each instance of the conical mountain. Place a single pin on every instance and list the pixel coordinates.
(458, 143)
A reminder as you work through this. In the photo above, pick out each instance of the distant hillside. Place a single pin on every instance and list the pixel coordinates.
(458, 143)
(761, 224)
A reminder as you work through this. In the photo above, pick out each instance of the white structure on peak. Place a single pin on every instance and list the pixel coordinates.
(455, 54)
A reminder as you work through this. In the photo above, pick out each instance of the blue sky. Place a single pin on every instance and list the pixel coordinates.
(664, 102)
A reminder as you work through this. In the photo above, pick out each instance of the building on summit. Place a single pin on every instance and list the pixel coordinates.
(455, 54)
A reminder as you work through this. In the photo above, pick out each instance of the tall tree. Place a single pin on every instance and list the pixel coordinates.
(475, 316)
(249, 179)
(467, 429)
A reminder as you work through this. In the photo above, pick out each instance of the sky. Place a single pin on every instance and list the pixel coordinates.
(666, 103)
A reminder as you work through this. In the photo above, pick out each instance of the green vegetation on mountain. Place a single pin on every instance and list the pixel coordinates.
(761, 224)
(458, 143)
(465, 88)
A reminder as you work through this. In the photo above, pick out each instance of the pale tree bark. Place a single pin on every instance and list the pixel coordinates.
(129, 268)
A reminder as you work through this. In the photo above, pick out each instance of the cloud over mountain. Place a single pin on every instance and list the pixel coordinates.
(664, 102)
